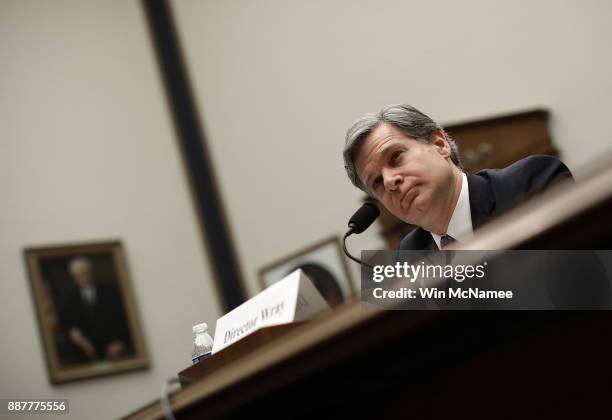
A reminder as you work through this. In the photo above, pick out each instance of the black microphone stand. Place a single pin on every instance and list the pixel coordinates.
(346, 235)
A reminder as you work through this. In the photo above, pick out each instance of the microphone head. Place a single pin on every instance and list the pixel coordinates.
(364, 217)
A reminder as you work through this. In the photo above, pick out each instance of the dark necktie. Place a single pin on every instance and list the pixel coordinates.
(446, 240)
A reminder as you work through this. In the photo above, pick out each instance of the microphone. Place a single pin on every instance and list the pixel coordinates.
(363, 218)
(360, 221)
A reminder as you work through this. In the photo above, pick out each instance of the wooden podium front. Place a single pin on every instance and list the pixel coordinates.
(353, 362)
(231, 354)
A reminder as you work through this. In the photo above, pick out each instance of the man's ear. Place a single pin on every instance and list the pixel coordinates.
(438, 141)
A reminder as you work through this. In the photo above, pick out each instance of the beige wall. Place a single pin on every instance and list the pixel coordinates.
(279, 82)
(87, 149)
(87, 152)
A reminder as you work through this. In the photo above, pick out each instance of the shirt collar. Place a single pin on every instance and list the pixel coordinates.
(460, 225)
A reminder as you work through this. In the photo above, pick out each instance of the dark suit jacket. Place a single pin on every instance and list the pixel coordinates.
(494, 191)
(101, 323)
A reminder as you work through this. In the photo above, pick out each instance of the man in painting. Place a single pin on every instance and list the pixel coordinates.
(94, 317)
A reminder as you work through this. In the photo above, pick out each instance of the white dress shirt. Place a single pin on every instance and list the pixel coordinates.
(88, 294)
(460, 225)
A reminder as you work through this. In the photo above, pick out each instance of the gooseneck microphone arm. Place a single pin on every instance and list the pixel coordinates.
(360, 221)
(357, 260)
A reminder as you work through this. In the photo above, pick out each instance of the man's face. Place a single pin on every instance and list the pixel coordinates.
(81, 273)
(413, 180)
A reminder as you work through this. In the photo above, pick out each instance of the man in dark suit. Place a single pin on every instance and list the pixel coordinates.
(409, 163)
(94, 317)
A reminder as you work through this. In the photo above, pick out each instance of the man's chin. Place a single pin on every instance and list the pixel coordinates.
(408, 219)
(415, 215)
(414, 204)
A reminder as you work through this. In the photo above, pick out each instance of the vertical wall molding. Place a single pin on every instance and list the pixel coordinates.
(196, 158)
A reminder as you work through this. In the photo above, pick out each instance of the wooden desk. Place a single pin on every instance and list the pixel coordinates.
(434, 364)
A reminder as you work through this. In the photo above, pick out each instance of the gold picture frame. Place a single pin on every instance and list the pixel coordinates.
(86, 310)
(323, 262)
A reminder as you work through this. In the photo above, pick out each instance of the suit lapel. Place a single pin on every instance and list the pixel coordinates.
(418, 239)
(482, 199)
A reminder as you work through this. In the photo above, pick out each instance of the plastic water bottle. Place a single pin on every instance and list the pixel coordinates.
(202, 344)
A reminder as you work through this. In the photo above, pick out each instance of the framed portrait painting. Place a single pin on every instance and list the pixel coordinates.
(86, 310)
(323, 263)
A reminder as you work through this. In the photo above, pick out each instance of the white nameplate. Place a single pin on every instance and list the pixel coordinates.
(293, 298)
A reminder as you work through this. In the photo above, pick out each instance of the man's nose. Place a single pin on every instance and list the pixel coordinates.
(392, 181)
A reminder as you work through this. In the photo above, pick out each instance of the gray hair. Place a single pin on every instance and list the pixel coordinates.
(80, 260)
(407, 119)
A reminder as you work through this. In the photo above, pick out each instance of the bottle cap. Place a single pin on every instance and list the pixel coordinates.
(200, 328)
